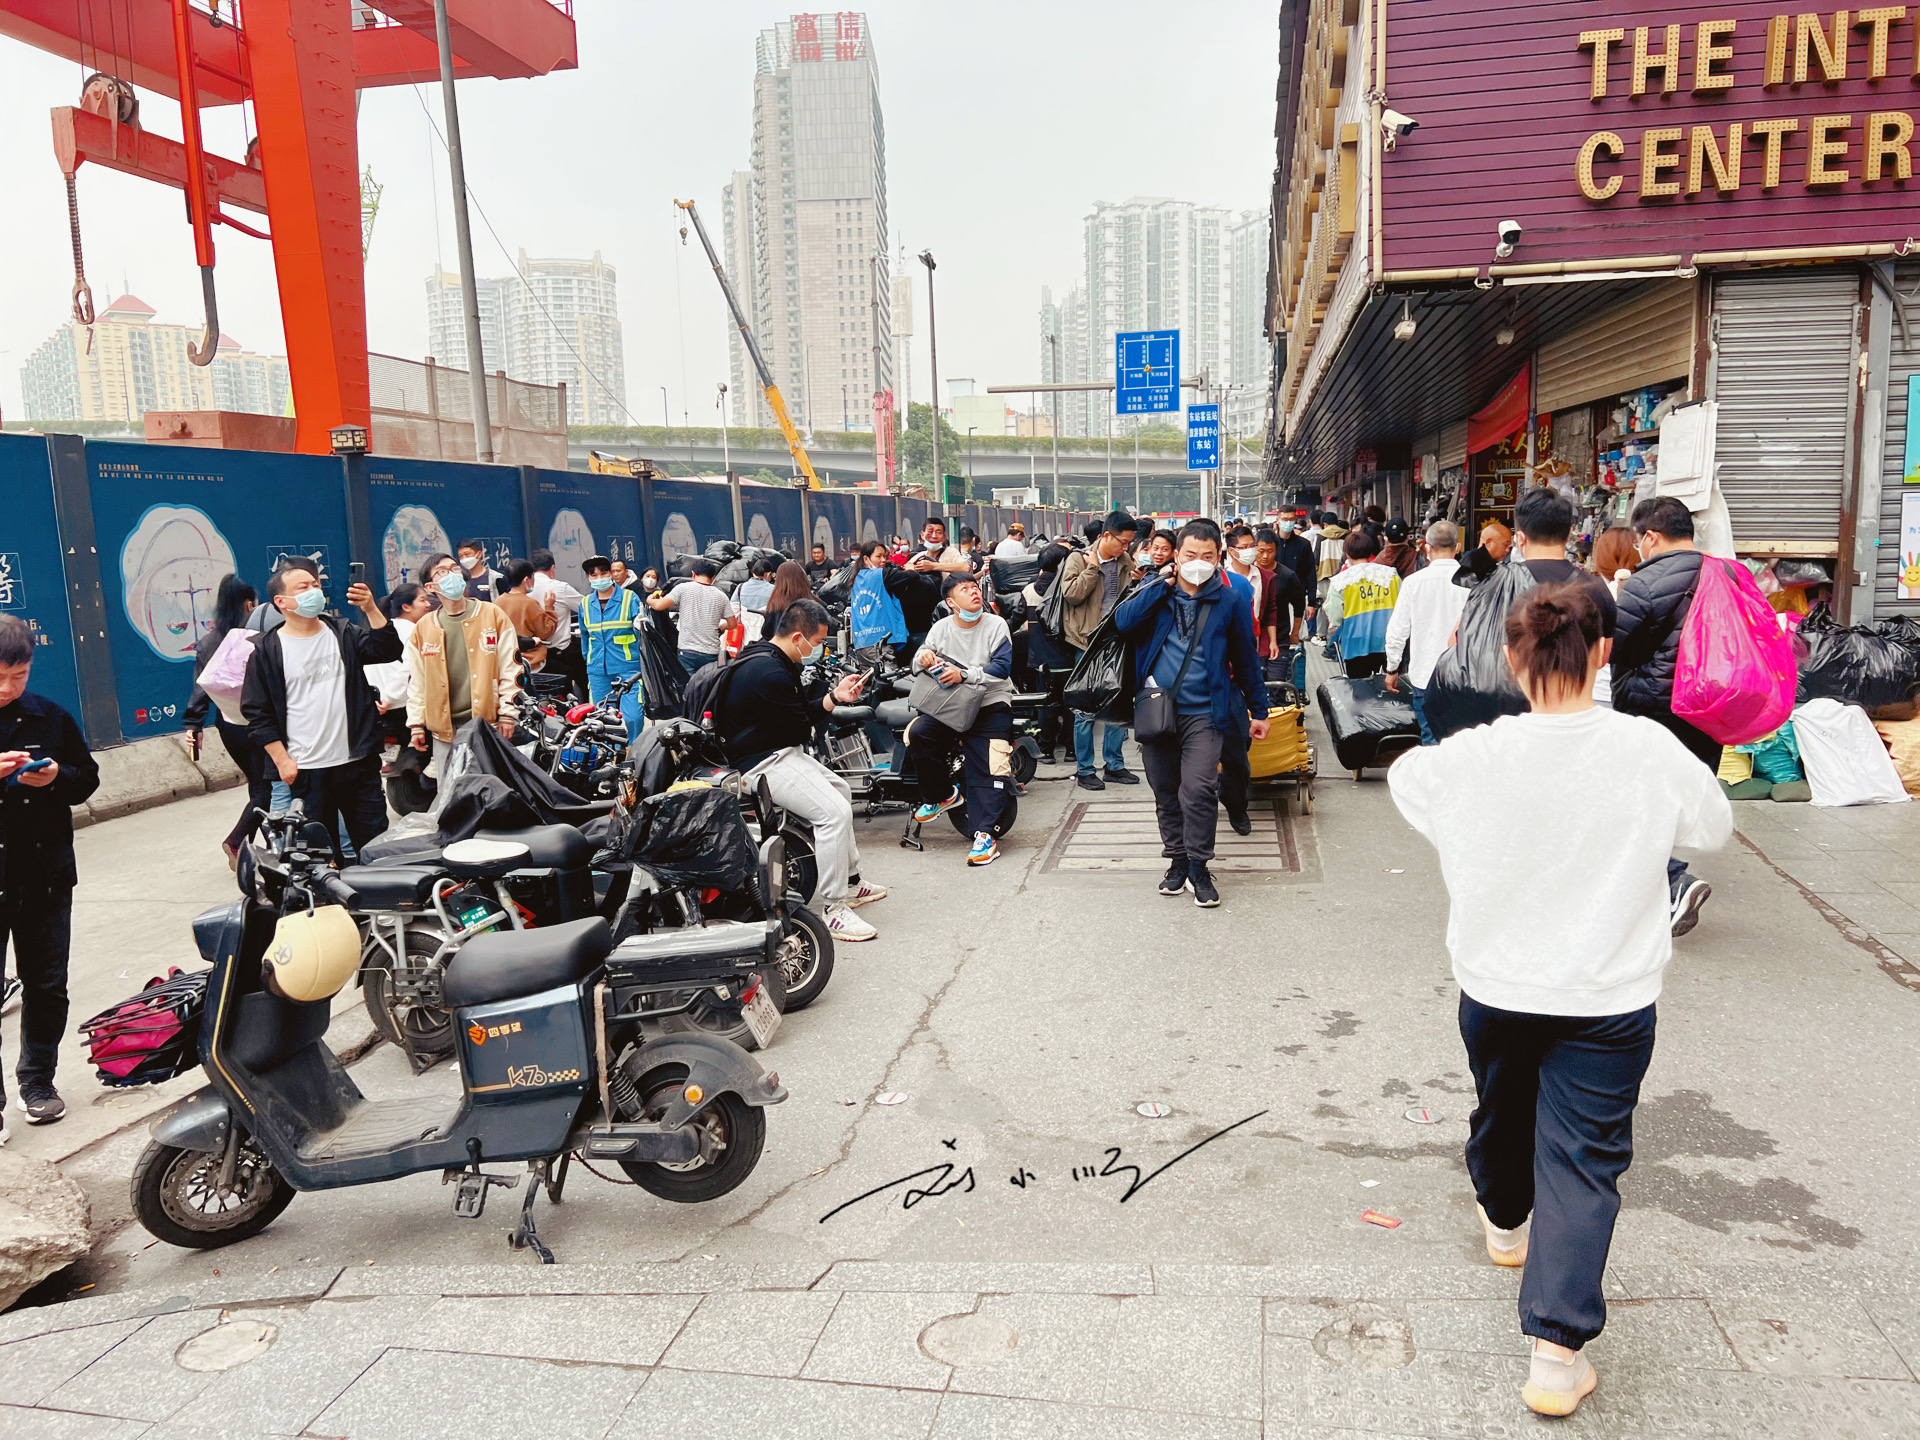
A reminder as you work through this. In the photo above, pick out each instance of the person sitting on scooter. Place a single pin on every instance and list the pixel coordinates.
(970, 645)
(765, 723)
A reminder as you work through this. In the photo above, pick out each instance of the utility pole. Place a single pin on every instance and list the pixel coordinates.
(1053, 340)
(1107, 402)
(933, 356)
(463, 237)
(720, 404)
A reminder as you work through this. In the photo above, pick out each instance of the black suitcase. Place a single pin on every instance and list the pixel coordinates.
(1369, 723)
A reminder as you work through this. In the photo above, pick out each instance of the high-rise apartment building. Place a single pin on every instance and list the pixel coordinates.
(133, 364)
(737, 230)
(1065, 359)
(1156, 264)
(1249, 355)
(554, 322)
(817, 218)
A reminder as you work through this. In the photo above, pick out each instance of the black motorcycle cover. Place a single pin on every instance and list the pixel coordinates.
(1472, 683)
(1872, 666)
(692, 838)
(552, 802)
(1368, 722)
(663, 681)
(1102, 683)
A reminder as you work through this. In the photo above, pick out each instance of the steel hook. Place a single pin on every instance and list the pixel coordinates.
(209, 341)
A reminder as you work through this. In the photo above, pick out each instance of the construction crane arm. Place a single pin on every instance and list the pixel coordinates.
(772, 391)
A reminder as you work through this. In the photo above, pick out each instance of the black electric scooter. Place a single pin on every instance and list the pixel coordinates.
(552, 1056)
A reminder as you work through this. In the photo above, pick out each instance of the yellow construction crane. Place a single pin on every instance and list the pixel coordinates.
(767, 387)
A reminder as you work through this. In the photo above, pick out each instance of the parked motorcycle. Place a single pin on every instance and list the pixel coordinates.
(553, 1058)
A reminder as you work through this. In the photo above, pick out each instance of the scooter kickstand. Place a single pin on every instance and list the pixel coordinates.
(523, 1236)
(910, 837)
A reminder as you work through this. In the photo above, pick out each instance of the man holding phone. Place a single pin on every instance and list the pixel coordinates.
(45, 769)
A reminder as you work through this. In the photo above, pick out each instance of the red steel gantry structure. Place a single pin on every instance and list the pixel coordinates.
(300, 63)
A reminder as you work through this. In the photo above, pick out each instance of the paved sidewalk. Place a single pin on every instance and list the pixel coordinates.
(875, 1349)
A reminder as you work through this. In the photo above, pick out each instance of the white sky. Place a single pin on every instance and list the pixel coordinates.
(1005, 121)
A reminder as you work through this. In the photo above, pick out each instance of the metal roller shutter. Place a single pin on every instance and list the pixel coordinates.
(1452, 452)
(1638, 342)
(1906, 363)
(1786, 346)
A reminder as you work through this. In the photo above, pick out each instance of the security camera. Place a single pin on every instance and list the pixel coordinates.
(1405, 328)
(1509, 237)
(1396, 126)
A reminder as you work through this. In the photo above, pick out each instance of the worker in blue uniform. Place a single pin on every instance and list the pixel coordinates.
(610, 619)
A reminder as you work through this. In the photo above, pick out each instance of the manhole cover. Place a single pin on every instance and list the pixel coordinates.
(964, 1341)
(225, 1346)
(1368, 1338)
(1108, 836)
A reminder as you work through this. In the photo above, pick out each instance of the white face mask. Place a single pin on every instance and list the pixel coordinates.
(1245, 557)
(1197, 572)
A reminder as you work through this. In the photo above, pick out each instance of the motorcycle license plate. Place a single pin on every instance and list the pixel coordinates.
(762, 1017)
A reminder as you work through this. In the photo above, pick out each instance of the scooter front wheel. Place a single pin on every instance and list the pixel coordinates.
(177, 1195)
(732, 1134)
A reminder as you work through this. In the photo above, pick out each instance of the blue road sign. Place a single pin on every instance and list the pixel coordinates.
(1146, 366)
(1203, 437)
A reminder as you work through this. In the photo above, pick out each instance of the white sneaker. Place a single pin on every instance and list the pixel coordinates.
(846, 925)
(4, 1136)
(866, 895)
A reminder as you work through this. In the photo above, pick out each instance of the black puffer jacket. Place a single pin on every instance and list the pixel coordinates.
(1653, 606)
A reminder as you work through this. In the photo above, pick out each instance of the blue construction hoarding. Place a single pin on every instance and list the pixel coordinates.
(419, 507)
(33, 583)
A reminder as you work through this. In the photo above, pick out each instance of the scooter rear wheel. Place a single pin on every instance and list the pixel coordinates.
(806, 954)
(424, 1032)
(176, 1196)
(734, 1134)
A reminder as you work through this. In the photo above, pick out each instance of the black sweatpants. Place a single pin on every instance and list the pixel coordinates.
(253, 763)
(1184, 770)
(1236, 774)
(572, 663)
(346, 794)
(41, 931)
(1551, 1136)
(988, 779)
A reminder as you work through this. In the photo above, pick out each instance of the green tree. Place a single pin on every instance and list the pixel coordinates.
(916, 449)
(1159, 430)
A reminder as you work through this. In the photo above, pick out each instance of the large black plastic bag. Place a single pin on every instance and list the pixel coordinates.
(1368, 722)
(1012, 574)
(1872, 666)
(1102, 684)
(1472, 683)
(839, 590)
(662, 679)
(693, 838)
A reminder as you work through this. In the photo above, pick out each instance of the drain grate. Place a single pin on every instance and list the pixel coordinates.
(1122, 835)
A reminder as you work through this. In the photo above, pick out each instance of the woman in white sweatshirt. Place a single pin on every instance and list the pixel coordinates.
(1557, 1013)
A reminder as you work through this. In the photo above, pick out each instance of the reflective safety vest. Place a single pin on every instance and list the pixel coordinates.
(611, 626)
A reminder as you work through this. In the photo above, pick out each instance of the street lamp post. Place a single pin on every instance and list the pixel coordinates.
(1053, 340)
(666, 415)
(844, 424)
(933, 355)
(463, 238)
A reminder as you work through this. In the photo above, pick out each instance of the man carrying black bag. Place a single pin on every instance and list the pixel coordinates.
(1199, 676)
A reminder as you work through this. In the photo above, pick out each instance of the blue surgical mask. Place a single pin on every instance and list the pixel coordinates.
(598, 582)
(311, 602)
(967, 617)
(452, 585)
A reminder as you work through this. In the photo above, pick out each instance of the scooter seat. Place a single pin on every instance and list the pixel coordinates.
(852, 714)
(560, 846)
(525, 962)
(894, 713)
(478, 859)
(391, 887)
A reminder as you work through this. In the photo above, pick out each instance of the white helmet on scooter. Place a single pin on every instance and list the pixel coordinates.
(313, 953)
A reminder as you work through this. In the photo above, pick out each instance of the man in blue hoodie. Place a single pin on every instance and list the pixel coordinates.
(1202, 651)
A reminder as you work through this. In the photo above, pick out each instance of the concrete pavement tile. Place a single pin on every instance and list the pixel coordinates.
(1907, 947)
(90, 1310)
(992, 1417)
(768, 1333)
(1657, 1335)
(1898, 1320)
(1490, 1326)
(874, 1339)
(137, 1378)
(992, 1278)
(31, 1370)
(1063, 1353)
(1714, 1404)
(1347, 1281)
(1301, 1319)
(677, 1402)
(609, 1329)
(1199, 1356)
(1877, 912)
(1907, 890)
(1488, 1390)
(316, 1355)
(1425, 1397)
(431, 1395)
(1805, 1336)
(692, 1277)
(17, 1423)
(1864, 1409)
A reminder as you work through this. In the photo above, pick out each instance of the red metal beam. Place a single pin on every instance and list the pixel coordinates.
(139, 32)
(394, 55)
(508, 39)
(80, 136)
(302, 54)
